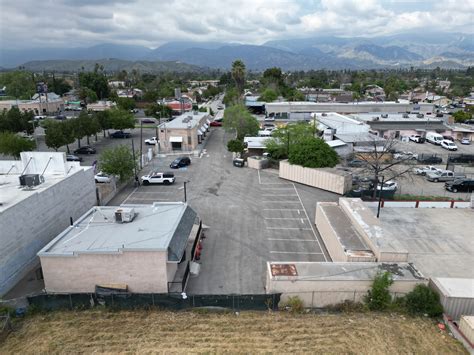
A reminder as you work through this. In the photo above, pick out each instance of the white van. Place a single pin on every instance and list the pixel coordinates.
(434, 138)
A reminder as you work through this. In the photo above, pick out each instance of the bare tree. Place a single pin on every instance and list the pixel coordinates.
(379, 161)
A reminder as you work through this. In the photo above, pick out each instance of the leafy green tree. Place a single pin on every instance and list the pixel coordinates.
(235, 146)
(12, 144)
(126, 103)
(118, 161)
(285, 137)
(268, 95)
(14, 120)
(273, 75)
(103, 118)
(54, 134)
(240, 121)
(68, 132)
(378, 298)
(238, 74)
(19, 84)
(461, 116)
(91, 126)
(158, 111)
(423, 300)
(313, 152)
(231, 97)
(87, 95)
(121, 119)
(95, 81)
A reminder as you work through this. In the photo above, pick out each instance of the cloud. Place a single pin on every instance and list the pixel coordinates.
(68, 23)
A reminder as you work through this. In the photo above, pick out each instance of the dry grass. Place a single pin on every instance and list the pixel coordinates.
(250, 332)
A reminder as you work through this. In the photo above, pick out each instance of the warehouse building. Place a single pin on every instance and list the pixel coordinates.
(138, 248)
(39, 195)
(184, 133)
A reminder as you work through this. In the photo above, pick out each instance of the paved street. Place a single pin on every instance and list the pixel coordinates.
(252, 217)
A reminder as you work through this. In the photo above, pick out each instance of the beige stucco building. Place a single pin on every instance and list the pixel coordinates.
(143, 248)
(185, 132)
(46, 104)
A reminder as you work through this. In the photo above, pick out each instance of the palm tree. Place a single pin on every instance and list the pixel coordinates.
(238, 74)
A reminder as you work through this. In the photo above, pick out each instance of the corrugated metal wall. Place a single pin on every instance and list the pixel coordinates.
(454, 307)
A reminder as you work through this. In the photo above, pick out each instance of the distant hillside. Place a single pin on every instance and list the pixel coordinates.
(448, 50)
(111, 65)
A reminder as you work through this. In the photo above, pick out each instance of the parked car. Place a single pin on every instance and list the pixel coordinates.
(390, 185)
(40, 117)
(460, 185)
(426, 169)
(85, 149)
(220, 107)
(449, 138)
(158, 178)
(101, 177)
(356, 163)
(461, 158)
(180, 162)
(449, 145)
(72, 157)
(405, 156)
(60, 117)
(216, 124)
(148, 120)
(151, 141)
(269, 119)
(120, 134)
(416, 138)
(134, 110)
(465, 141)
(429, 159)
(445, 175)
(434, 138)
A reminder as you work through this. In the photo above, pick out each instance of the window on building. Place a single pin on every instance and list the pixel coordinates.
(189, 140)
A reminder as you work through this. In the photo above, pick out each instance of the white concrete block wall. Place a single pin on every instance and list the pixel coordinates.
(30, 224)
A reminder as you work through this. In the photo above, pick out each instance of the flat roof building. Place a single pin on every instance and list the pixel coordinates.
(140, 246)
(185, 132)
(39, 195)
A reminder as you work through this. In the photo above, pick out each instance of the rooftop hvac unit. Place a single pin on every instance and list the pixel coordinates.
(124, 215)
(31, 180)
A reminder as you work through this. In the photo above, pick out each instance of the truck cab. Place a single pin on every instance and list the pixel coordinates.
(158, 178)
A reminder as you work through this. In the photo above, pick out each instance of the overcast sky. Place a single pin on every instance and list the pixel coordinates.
(70, 23)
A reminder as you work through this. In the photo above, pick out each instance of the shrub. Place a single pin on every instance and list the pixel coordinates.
(423, 300)
(235, 145)
(378, 298)
(313, 153)
(294, 305)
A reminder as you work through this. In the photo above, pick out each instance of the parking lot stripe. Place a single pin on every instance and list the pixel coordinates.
(293, 240)
(281, 209)
(131, 193)
(294, 252)
(311, 224)
(276, 195)
(282, 201)
(290, 228)
(259, 181)
(277, 188)
(282, 218)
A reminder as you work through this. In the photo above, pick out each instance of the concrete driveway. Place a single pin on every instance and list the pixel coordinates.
(253, 217)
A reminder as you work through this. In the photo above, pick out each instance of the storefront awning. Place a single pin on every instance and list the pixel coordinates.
(208, 121)
(174, 139)
(205, 126)
(200, 131)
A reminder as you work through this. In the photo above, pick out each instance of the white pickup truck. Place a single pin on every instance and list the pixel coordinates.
(427, 169)
(158, 178)
(445, 175)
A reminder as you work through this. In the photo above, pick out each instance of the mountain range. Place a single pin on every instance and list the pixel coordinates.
(426, 50)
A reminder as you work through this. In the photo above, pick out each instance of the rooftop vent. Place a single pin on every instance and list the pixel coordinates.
(376, 118)
(124, 215)
(384, 115)
(31, 180)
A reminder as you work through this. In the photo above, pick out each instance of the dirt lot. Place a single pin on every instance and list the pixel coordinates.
(248, 332)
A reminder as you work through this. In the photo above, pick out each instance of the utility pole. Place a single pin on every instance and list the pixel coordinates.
(135, 164)
(141, 144)
(380, 196)
(185, 196)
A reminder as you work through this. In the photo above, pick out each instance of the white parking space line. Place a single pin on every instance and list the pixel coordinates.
(154, 192)
(277, 188)
(289, 228)
(311, 224)
(150, 199)
(293, 240)
(282, 218)
(281, 201)
(131, 193)
(281, 209)
(295, 252)
(268, 195)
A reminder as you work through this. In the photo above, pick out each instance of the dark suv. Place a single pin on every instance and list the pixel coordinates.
(86, 149)
(180, 162)
(461, 158)
(462, 185)
(120, 134)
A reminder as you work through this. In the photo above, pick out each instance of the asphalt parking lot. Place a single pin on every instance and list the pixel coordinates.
(252, 218)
